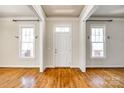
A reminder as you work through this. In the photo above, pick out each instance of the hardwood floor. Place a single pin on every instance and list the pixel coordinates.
(61, 78)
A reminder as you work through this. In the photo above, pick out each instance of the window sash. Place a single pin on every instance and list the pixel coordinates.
(27, 42)
(99, 33)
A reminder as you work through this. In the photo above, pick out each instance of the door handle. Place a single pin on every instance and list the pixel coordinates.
(55, 51)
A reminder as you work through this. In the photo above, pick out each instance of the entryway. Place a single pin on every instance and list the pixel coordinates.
(62, 46)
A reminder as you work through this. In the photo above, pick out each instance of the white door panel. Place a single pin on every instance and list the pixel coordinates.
(63, 48)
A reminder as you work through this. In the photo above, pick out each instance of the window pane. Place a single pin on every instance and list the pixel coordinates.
(97, 31)
(97, 35)
(27, 35)
(66, 29)
(101, 31)
(97, 49)
(62, 29)
(27, 49)
(101, 39)
(93, 32)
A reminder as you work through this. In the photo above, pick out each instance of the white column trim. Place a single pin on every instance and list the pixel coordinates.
(41, 15)
(85, 14)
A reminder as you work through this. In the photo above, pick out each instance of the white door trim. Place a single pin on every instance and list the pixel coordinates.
(54, 35)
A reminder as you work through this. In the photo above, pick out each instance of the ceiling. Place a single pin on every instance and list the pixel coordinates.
(62, 10)
(15, 11)
(109, 11)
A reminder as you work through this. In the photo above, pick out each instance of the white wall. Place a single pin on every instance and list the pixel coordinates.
(9, 45)
(75, 39)
(114, 46)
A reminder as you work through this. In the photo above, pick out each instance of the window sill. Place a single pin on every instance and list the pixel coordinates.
(27, 58)
(98, 57)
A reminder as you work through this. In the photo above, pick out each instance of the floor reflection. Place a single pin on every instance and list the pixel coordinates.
(28, 82)
(98, 81)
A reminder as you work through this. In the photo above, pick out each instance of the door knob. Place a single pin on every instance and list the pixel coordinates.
(55, 51)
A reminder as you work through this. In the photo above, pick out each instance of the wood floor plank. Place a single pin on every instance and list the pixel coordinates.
(61, 78)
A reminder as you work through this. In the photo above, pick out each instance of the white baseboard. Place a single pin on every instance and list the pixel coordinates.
(42, 70)
(49, 66)
(83, 69)
(54, 66)
(18, 66)
(104, 66)
(74, 66)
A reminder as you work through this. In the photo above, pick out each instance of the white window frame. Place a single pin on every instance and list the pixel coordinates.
(104, 45)
(20, 40)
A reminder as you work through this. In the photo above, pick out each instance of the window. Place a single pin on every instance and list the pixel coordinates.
(27, 41)
(61, 29)
(98, 41)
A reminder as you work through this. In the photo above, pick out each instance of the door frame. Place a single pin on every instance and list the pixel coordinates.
(54, 39)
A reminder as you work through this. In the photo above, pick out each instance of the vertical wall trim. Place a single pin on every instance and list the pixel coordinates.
(82, 46)
(42, 35)
(85, 14)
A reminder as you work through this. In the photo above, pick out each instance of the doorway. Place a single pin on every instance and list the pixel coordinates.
(62, 46)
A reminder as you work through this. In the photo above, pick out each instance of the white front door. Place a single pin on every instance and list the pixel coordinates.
(62, 46)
